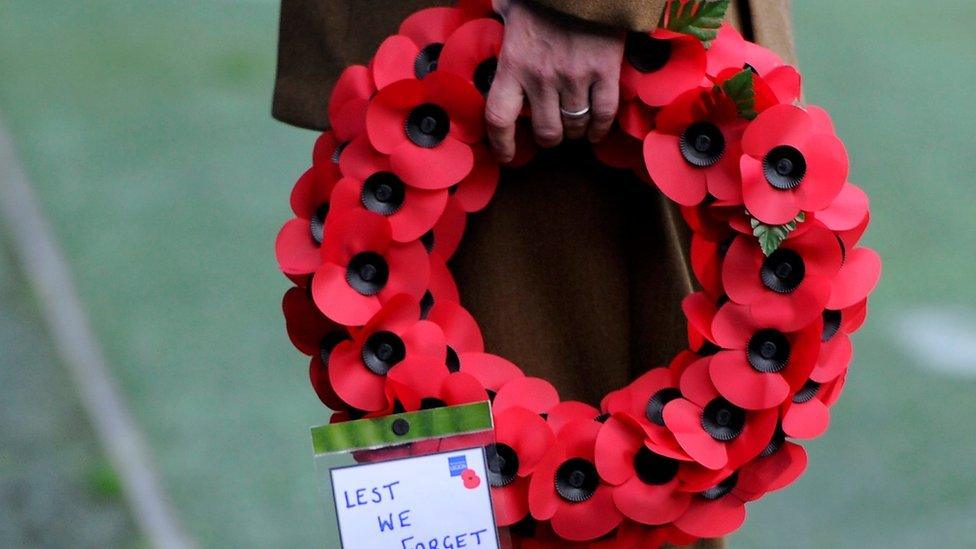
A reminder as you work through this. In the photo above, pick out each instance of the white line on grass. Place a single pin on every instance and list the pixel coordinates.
(44, 265)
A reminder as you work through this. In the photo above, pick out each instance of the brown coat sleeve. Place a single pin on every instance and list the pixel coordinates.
(319, 38)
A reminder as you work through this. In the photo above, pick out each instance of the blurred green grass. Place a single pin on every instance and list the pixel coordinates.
(145, 127)
(56, 487)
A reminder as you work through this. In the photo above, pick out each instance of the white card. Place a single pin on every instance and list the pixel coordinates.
(437, 501)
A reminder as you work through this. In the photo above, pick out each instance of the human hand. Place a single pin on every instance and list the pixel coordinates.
(554, 63)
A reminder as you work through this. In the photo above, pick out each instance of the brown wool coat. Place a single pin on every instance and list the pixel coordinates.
(575, 271)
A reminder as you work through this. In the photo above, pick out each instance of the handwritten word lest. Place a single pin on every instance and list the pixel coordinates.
(366, 496)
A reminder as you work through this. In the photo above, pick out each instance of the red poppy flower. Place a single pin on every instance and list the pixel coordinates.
(633, 534)
(857, 277)
(444, 239)
(619, 150)
(635, 118)
(422, 383)
(694, 149)
(847, 211)
(727, 50)
(326, 153)
(645, 482)
(308, 329)
(660, 66)
(358, 368)
(520, 391)
(363, 268)
(788, 289)
(314, 335)
(780, 463)
(699, 309)
(460, 328)
(427, 127)
(836, 349)
(297, 247)
(644, 400)
(410, 211)
(707, 257)
(350, 98)
(710, 219)
(471, 52)
(440, 287)
(716, 511)
(415, 51)
(712, 430)
(807, 415)
(318, 375)
(474, 192)
(759, 366)
(522, 439)
(764, 94)
(465, 347)
(791, 164)
(850, 238)
(492, 371)
(566, 488)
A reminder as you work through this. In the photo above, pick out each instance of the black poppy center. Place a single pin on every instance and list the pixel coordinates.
(317, 223)
(721, 488)
(382, 351)
(484, 75)
(647, 54)
(430, 403)
(653, 468)
(426, 61)
(831, 324)
(655, 405)
(427, 125)
(328, 343)
(426, 304)
(427, 239)
(723, 420)
(367, 273)
(775, 443)
(784, 167)
(337, 152)
(503, 464)
(453, 361)
(702, 144)
(383, 193)
(807, 392)
(576, 480)
(768, 351)
(782, 271)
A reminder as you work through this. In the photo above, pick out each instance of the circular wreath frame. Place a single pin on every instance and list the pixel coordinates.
(711, 120)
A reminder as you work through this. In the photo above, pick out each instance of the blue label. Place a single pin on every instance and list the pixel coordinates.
(457, 464)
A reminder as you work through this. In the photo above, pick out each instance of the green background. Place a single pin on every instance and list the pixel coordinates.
(145, 127)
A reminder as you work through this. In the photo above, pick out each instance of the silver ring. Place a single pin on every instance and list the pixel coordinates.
(575, 114)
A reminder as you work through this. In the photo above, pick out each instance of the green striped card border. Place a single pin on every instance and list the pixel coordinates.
(363, 434)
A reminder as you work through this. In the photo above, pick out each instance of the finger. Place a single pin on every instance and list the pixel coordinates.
(575, 97)
(605, 97)
(546, 121)
(504, 103)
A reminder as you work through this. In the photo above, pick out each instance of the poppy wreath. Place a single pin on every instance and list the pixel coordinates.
(710, 119)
